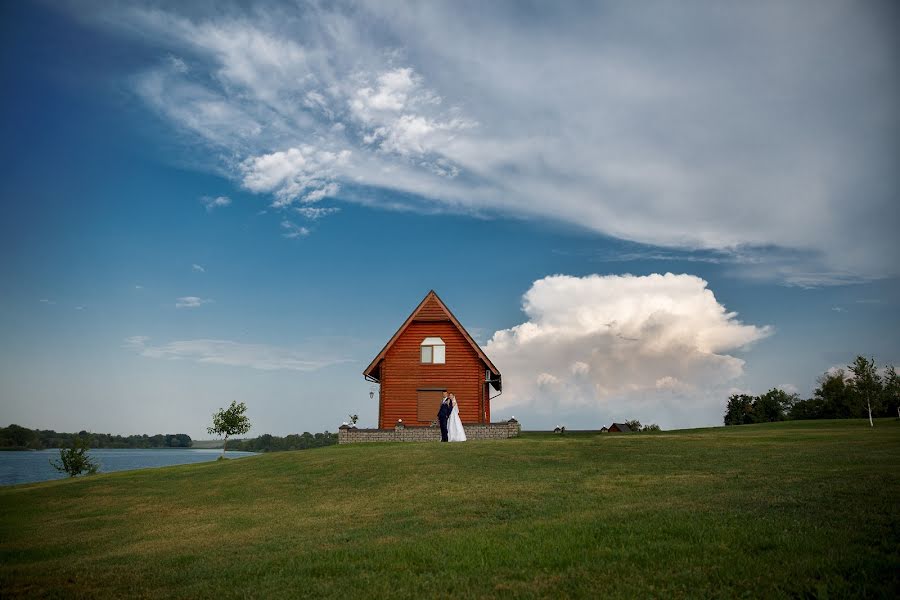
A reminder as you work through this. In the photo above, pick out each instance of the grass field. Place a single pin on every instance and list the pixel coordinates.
(788, 509)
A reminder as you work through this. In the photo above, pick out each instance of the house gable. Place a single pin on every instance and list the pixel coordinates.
(432, 309)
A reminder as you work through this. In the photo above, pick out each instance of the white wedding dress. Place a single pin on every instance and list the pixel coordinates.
(455, 431)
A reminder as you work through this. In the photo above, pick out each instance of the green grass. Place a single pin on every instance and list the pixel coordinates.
(787, 509)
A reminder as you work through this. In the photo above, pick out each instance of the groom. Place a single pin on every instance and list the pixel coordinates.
(444, 414)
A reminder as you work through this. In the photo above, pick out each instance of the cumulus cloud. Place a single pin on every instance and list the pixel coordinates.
(756, 131)
(191, 302)
(234, 354)
(304, 173)
(600, 348)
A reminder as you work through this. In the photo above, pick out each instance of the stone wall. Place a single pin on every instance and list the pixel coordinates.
(401, 433)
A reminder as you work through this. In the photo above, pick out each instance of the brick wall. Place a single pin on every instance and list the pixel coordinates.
(401, 433)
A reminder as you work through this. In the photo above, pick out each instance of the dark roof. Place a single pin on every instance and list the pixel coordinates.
(621, 427)
(373, 367)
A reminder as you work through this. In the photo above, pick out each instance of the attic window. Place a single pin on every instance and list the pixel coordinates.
(434, 351)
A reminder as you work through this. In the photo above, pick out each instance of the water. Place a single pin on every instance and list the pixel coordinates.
(28, 467)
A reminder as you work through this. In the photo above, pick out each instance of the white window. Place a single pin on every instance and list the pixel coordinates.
(434, 351)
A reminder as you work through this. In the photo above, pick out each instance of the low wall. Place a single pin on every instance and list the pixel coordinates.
(401, 433)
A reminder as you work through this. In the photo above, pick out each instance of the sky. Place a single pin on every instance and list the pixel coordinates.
(636, 209)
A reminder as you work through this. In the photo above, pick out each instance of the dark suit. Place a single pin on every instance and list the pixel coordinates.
(443, 416)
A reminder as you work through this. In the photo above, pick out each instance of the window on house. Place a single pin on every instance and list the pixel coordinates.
(434, 351)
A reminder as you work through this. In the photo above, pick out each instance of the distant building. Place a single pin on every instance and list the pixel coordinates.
(430, 353)
(619, 428)
(604, 430)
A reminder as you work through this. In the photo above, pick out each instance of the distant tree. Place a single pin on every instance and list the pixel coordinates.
(16, 436)
(772, 406)
(76, 460)
(866, 383)
(836, 396)
(813, 408)
(651, 427)
(891, 390)
(739, 410)
(634, 425)
(230, 421)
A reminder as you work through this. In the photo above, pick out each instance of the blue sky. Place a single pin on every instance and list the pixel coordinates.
(369, 152)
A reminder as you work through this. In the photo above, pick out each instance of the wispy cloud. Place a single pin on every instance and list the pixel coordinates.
(198, 268)
(839, 309)
(314, 213)
(292, 230)
(213, 203)
(138, 287)
(191, 302)
(46, 301)
(650, 125)
(234, 354)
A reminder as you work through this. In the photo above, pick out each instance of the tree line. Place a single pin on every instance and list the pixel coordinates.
(860, 391)
(16, 437)
(274, 443)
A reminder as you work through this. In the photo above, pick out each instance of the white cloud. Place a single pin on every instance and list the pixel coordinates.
(390, 95)
(46, 301)
(138, 287)
(177, 64)
(292, 230)
(191, 302)
(217, 202)
(601, 348)
(198, 268)
(788, 388)
(314, 213)
(737, 131)
(229, 353)
(304, 173)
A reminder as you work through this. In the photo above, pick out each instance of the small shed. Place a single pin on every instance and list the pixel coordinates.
(619, 428)
(604, 430)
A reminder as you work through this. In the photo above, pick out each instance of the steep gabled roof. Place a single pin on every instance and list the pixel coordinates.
(432, 308)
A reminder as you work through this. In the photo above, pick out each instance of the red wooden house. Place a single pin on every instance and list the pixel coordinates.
(430, 353)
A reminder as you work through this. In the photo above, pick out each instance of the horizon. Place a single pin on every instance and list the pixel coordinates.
(634, 211)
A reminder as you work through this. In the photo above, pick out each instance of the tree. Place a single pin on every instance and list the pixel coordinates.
(891, 389)
(866, 383)
(836, 396)
(76, 460)
(739, 410)
(230, 421)
(772, 406)
(634, 425)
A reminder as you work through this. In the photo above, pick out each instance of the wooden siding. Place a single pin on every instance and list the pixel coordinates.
(402, 373)
(428, 404)
(431, 311)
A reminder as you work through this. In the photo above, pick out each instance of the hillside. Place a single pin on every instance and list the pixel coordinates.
(796, 508)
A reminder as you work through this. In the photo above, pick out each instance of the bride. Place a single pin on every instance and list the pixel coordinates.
(456, 433)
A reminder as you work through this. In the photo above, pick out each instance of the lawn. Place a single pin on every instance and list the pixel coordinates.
(786, 509)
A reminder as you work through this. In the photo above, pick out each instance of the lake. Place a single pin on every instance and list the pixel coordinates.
(28, 467)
